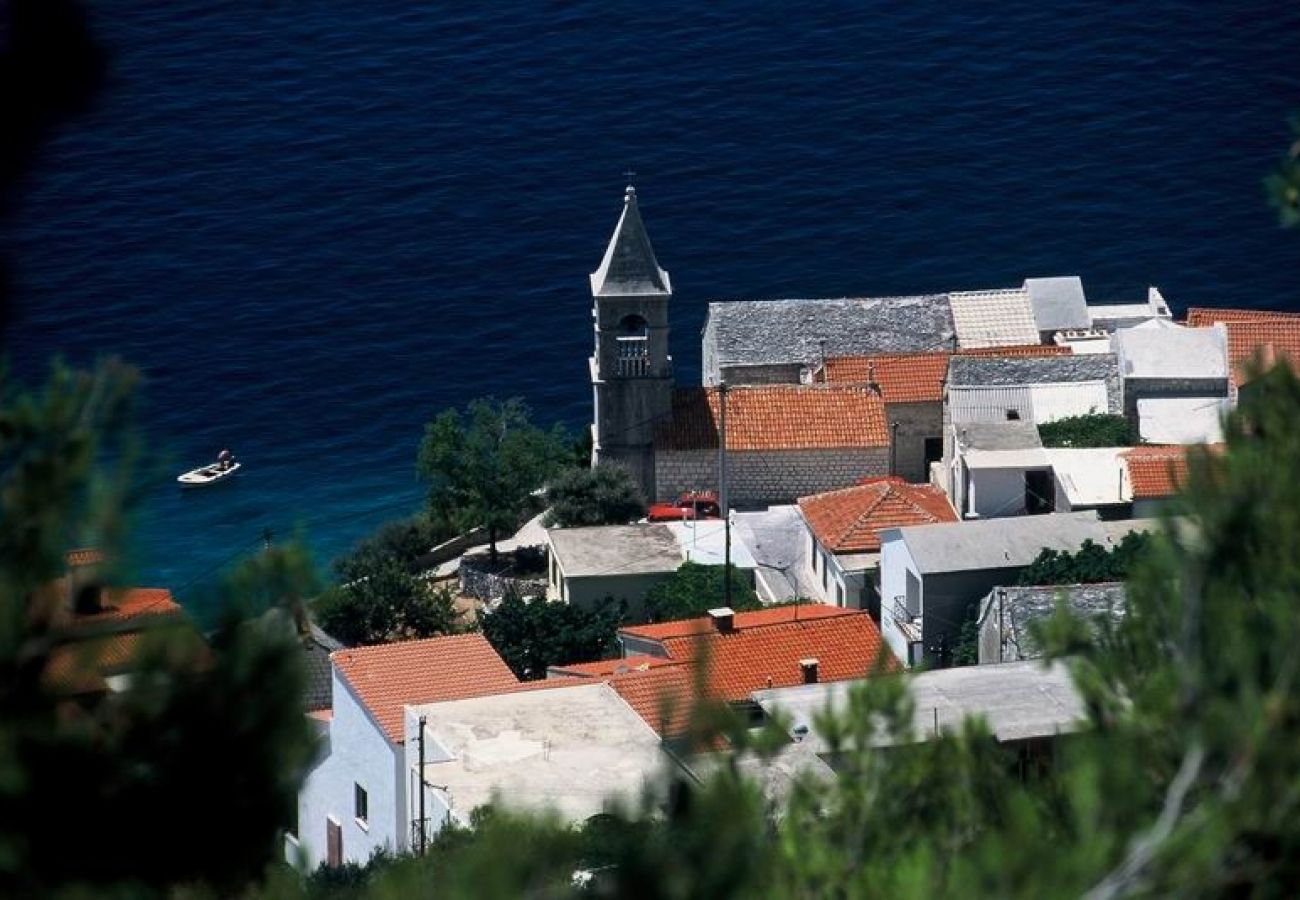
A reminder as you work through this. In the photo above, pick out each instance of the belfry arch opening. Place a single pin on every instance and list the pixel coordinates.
(633, 346)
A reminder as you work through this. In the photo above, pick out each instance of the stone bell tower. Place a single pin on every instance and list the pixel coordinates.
(631, 371)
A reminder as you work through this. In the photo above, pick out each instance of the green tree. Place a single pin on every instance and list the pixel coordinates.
(694, 589)
(386, 603)
(1089, 430)
(533, 635)
(1090, 564)
(605, 495)
(484, 464)
(203, 729)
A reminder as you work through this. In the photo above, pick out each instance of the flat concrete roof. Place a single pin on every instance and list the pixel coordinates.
(1091, 476)
(996, 543)
(704, 542)
(644, 549)
(1018, 700)
(571, 748)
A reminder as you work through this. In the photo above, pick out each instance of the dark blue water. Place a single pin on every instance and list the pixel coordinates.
(315, 225)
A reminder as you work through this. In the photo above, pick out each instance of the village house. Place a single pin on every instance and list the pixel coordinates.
(783, 441)
(1026, 706)
(1155, 474)
(354, 800)
(843, 533)
(998, 469)
(1175, 381)
(933, 576)
(1009, 613)
(1255, 337)
(97, 628)
(569, 747)
(587, 566)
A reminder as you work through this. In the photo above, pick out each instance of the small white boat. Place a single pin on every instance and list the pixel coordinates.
(225, 467)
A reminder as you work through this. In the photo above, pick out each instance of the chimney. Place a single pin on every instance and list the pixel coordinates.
(83, 580)
(724, 619)
(809, 667)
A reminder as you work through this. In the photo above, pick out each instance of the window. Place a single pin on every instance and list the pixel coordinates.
(362, 804)
(839, 594)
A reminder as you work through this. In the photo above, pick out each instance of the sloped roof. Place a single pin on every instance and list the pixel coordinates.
(1058, 303)
(1156, 472)
(981, 544)
(629, 266)
(767, 332)
(1273, 335)
(764, 648)
(118, 605)
(901, 377)
(387, 677)
(777, 417)
(993, 318)
(850, 520)
(1015, 350)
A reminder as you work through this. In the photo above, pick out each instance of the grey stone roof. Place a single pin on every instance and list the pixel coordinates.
(1021, 606)
(317, 647)
(629, 266)
(1020, 435)
(994, 370)
(979, 544)
(765, 332)
(1059, 303)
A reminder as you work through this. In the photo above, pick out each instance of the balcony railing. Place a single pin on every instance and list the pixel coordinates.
(633, 357)
(899, 612)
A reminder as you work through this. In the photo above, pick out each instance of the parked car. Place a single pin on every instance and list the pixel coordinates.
(690, 505)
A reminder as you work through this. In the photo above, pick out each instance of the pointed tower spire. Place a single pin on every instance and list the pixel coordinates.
(629, 265)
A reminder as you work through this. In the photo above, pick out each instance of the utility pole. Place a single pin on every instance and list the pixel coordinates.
(423, 827)
(723, 494)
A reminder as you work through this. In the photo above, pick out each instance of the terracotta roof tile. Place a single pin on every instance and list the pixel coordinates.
(777, 417)
(388, 676)
(84, 556)
(1274, 336)
(765, 647)
(850, 520)
(1156, 471)
(133, 603)
(901, 377)
(605, 667)
(1018, 350)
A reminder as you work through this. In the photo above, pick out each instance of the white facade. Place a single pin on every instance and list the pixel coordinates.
(357, 752)
(901, 598)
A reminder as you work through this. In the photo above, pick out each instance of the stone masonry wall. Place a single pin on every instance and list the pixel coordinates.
(915, 422)
(773, 476)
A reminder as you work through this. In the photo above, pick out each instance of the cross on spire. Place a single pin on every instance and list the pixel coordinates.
(630, 176)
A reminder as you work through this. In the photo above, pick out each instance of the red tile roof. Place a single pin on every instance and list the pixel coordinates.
(664, 696)
(1274, 336)
(605, 667)
(901, 377)
(81, 666)
(850, 520)
(132, 603)
(777, 417)
(1018, 350)
(765, 647)
(388, 676)
(1156, 471)
(84, 556)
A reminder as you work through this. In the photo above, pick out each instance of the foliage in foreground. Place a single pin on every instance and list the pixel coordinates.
(1089, 430)
(605, 495)
(694, 589)
(531, 635)
(1090, 564)
(107, 793)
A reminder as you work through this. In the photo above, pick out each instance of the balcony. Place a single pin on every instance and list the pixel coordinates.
(633, 359)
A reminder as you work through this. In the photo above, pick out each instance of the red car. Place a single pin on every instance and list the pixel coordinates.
(690, 505)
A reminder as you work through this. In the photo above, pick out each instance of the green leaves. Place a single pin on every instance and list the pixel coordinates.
(605, 495)
(532, 635)
(694, 589)
(1090, 430)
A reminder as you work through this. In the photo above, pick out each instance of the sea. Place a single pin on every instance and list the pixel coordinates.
(313, 226)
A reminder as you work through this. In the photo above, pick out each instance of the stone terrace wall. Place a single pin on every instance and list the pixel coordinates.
(767, 477)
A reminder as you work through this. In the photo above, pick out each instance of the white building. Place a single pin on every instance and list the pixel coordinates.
(568, 745)
(353, 801)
